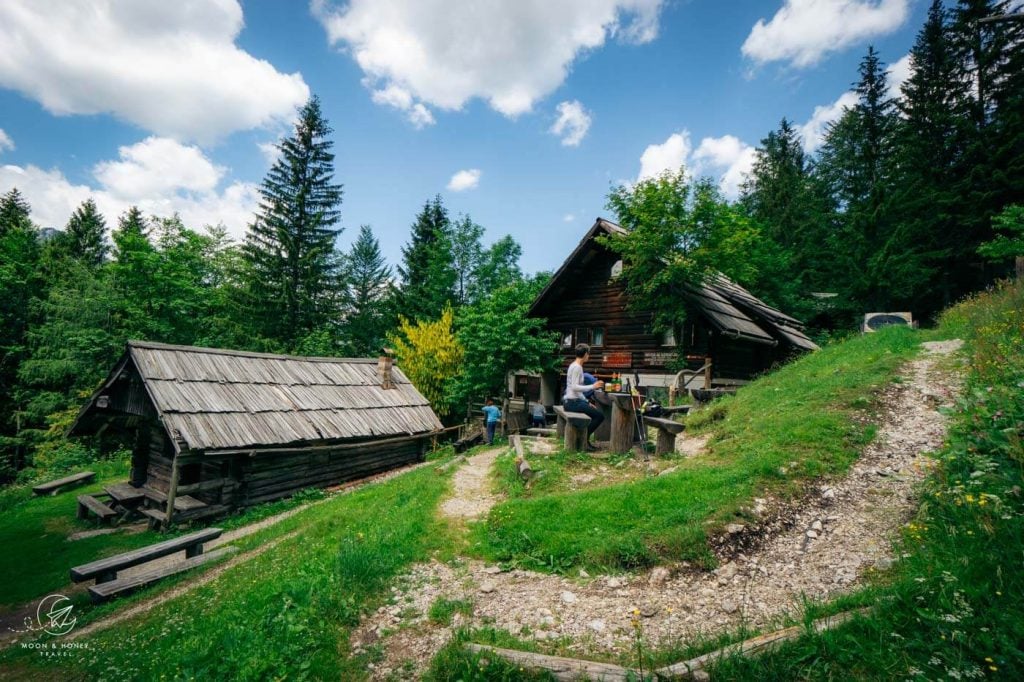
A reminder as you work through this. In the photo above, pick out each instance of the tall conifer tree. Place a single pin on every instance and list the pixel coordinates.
(427, 273)
(368, 296)
(84, 237)
(293, 276)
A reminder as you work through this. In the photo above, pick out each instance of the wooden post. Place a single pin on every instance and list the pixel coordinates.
(172, 491)
(575, 437)
(707, 374)
(623, 423)
(666, 442)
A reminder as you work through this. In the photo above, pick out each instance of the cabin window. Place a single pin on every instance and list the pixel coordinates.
(597, 336)
(582, 335)
(566, 339)
(616, 269)
(668, 337)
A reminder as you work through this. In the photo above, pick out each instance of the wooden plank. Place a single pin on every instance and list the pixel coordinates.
(536, 431)
(104, 591)
(669, 425)
(53, 487)
(561, 668)
(95, 506)
(125, 492)
(694, 668)
(141, 556)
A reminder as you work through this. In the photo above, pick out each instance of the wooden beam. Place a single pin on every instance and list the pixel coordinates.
(561, 668)
(252, 452)
(172, 492)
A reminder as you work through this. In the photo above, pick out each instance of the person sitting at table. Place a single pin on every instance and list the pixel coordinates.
(574, 400)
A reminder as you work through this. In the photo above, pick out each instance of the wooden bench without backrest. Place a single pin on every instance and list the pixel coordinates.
(54, 487)
(667, 432)
(104, 591)
(573, 425)
(105, 570)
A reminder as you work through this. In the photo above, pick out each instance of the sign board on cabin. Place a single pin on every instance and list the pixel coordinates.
(622, 358)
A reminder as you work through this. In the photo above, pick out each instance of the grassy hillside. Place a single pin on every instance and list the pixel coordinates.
(804, 421)
(954, 607)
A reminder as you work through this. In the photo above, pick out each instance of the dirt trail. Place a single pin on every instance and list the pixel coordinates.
(841, 532)
(472, 496)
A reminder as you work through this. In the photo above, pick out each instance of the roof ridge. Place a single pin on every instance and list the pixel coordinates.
(155, 345)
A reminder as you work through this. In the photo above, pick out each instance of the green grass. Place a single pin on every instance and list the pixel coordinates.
(284, 614)
(552, 473)
(804, 421)
(443, 610)
(954, 607)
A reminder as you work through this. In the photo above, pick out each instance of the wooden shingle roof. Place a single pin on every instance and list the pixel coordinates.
(212, 399)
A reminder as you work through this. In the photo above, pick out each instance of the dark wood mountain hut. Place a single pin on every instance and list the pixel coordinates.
(727, 330)
(218, 429)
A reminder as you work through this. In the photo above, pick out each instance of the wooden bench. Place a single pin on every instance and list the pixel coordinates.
(101, 592)
(105, 570)
(54, 487)
(88, 503)
(667, 432)
(573, 426)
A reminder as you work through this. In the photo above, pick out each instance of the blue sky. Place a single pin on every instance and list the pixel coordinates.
(522, 114)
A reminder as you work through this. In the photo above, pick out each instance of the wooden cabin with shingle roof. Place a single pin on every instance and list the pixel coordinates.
(220, 429)
(728, 332)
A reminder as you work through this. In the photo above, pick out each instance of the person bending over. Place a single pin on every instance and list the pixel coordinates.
(574, 400)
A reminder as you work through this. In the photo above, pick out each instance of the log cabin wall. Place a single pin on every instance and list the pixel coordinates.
(159, 460)
(269, 476)
(592, 299)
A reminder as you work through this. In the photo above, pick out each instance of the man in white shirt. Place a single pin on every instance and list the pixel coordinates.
(573, 401)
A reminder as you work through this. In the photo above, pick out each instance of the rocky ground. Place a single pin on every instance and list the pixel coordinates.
(816, 550)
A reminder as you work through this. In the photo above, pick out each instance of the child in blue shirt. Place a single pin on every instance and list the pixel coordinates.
(493, 414)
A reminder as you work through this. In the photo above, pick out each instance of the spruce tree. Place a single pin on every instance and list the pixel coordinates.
(84, 237)
(369, 297)
(293, 273)
(467, 253)
(427, 272)
(19, 285)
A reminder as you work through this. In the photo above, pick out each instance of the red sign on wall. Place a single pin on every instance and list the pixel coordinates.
(623, 359)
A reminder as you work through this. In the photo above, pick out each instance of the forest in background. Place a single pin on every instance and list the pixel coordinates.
(912, 202)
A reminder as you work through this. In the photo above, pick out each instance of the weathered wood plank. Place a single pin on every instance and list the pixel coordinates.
(53, 487)
(104, 591)
(142, 555)
(88, 503)
(561, 668)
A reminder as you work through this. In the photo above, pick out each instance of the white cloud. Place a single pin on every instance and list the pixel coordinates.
(400, 98)
(897, 74)
(804, 31)
(160, 176)
(169, 67)
(568, 218)
(465, 179)
(728, 157)
(510, 54)
(156, 166)
(813, 131)
(269, 151)
(5, 141)
(572, 124)
(670, 155)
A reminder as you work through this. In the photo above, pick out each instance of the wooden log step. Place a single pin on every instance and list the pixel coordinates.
(88, 503)
(104, 591)
(54, 487)
(560, 667)
(537, 431)
(105, 570)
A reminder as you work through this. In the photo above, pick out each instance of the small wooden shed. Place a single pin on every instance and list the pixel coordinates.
(219, 429)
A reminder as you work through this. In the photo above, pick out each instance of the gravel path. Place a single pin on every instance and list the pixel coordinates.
(822, 550)
(472, 497)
